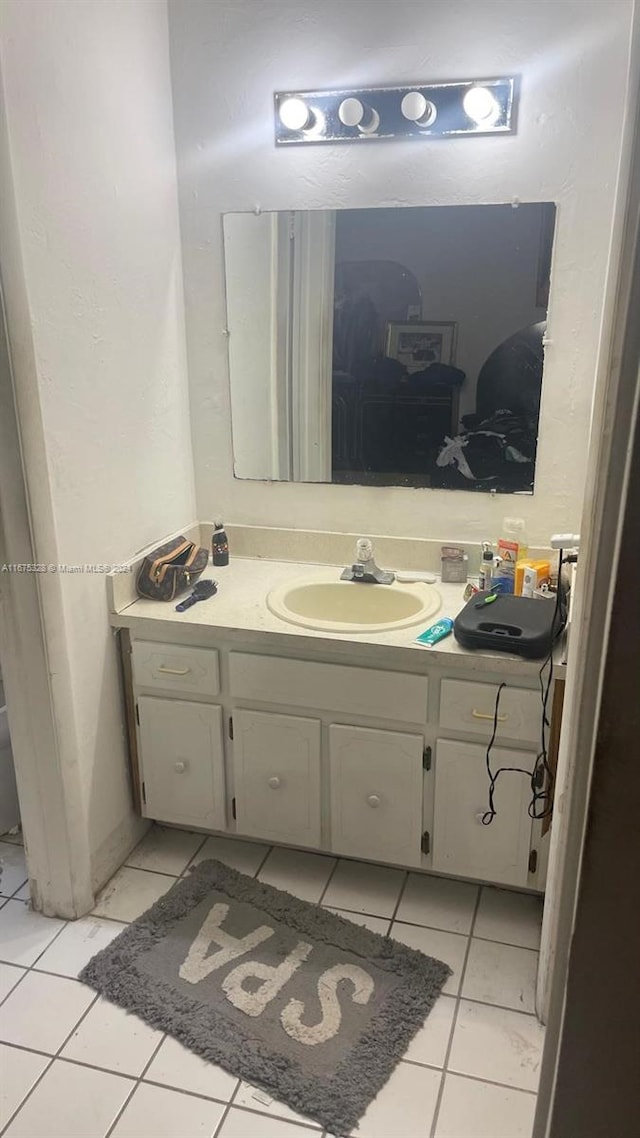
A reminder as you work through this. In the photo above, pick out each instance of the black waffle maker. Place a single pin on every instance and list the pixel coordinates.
(524, 625)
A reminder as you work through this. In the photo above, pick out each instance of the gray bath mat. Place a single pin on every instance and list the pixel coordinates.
(310, 1007)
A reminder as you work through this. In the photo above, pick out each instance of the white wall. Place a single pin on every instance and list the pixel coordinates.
(228, 58)
(95, 317)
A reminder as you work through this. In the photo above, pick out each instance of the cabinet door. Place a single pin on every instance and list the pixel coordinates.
(461, 843)
(182, 762)
(376, 794)
(276, 760)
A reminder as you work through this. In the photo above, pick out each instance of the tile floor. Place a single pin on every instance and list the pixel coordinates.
(74, 1066)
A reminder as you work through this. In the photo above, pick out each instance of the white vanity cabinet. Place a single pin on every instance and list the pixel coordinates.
(376, 794)
(462, 843)
(339, 755)
(182, 751)
(276, 764)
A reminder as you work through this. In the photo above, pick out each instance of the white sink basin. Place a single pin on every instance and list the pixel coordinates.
(350, 606)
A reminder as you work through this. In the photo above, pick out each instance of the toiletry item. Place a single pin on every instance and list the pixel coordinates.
(454, 564)
(219, 545)
(521, 565)
(438, 631)
(512, 547)
(486, 567)
(536, 573)
(409, 578)
(201, 592)
(470, 590)
(487, 600)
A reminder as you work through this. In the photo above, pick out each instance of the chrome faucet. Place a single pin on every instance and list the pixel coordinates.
(364, 567)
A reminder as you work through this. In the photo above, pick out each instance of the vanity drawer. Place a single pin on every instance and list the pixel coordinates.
(334, 687)
(172, 667)
(468, 706)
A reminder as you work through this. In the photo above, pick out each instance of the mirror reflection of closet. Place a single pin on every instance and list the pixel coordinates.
(399, 346)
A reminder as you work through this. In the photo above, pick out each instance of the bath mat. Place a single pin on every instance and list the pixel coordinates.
(315, 1010)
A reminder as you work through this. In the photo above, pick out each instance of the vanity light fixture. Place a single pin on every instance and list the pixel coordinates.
(426, 110)
(417, 109)
(481, 106)
(295, 114)
(352, 112)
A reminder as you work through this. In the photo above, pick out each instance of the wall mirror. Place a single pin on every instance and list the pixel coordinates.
(389, 347)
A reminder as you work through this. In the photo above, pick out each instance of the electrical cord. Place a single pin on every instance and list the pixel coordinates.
(541, 783)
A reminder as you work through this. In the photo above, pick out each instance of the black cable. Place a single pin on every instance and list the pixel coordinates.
(537, 794)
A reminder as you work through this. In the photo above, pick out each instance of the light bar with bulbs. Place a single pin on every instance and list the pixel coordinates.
(431, 110)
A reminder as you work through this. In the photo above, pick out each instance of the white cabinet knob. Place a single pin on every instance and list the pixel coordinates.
(374, 801)
(180, 767)
(274, 782)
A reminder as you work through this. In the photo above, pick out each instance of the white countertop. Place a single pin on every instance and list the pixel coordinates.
(239, 611)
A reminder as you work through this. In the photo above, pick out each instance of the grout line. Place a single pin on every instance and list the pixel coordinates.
(195, 853)
(226, 1110)
(50, 1063)
(314, 1129)
(454, 1019)
(439, 929)
(135, 1086)
(266, 857)
(464, 1075)
(139, 869)
(329, 880)
(398, 902)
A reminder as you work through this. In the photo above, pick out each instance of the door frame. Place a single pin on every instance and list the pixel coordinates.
(617, 399)
(50, 806)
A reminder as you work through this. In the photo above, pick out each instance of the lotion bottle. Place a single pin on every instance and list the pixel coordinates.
(219, 545)
(486, 567)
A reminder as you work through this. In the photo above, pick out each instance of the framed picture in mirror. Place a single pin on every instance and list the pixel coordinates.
(417, 344)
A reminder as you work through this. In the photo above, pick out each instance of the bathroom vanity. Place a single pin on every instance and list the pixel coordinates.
(358, 744)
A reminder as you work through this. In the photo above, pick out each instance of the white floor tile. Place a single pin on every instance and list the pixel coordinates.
(155, 1112)
(9, 976)
(239, 1124)
(470, 1109)
(302, 874)
(502, 1046)
(111, 1038)
(501, 974)
(23, 893)
(71, 1102)
(25, 934)
(246, 857)
(405, 1106)
(255, 1099)
(449, 947)
(77, 944)
(438, 903)
(375, 924)
(18, 1072)
(165, 850)
(514, 918)
(130, 893)
(430, 1044)
(42, 1010)
(176, 1066)
(13, 868)
(365, 888)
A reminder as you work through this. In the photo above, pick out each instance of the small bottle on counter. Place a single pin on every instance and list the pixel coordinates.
(486, 567)
(219, 545)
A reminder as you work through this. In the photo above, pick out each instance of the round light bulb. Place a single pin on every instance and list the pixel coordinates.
(481, 106)
(295, 114)
(417, 109)
(352, 112)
